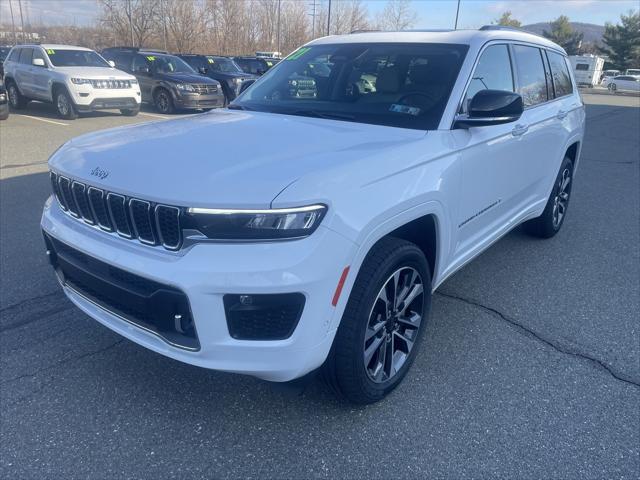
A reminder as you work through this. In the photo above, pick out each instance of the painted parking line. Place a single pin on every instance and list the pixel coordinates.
(43, 119)
(153, 115)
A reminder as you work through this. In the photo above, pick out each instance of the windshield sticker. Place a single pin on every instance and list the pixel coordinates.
(269, 64)
(151, 58)
(211, 60)
(397, 108)
(298, 53)
(50, 51)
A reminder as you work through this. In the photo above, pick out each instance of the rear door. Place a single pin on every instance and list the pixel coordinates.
(23, 75)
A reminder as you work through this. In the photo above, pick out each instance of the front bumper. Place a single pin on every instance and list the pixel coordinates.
(87, 99)
(205, 273)
(198, 101)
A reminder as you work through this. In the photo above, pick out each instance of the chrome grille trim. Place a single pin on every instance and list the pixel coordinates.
(65, 186)
(84, 200)
(107, 228)
(120, 232)
(159, 230)
(70, 195)
(136, 230)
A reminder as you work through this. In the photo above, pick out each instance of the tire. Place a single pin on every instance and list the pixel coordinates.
(130, 112)
(613, 87)
(16, 100)
(555, 212)
(163, 102)
(4, 115)
(64, 105)
(347, 370)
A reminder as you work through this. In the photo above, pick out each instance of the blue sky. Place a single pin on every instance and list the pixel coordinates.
(431, 13)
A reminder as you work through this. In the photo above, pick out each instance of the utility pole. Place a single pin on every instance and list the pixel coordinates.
(457, 13)
(329, 19)
(130, 14)
(13, 25)
(278, 30)
(163, 12)
(21, 20)
(313, 19)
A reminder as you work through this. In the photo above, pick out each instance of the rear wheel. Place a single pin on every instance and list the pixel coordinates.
(383, 323)
(64, 105)
(613, 87)
(163, 101)
(16, 100)
(552, 218)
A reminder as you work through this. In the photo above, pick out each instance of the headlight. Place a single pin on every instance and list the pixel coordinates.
(185, 87)
(134, 81)
(3, 97)
(247, 225)
(80, 81)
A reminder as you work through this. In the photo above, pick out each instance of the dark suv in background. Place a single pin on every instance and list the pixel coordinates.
(222, 69)
(167, 81)
(255, 65)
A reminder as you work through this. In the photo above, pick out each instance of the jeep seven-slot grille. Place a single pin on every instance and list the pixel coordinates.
(111, 84)
(133, 218)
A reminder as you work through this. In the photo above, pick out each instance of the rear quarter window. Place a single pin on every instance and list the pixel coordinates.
(532, 82)
(14, 55)
(560, 74)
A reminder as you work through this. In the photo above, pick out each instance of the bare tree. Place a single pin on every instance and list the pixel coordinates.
(186, 24)
(131, 19)
(347, 16)
(397, 15)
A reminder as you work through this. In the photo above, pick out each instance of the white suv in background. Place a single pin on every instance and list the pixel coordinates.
(74, 79)
(193, 240)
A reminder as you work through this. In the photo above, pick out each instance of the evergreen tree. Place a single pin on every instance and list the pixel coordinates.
(563, 34)
(622, 41)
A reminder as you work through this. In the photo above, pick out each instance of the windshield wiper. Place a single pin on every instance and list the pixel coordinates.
(321, 114)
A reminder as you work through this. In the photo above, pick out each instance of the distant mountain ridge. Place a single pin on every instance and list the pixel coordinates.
(592, 33)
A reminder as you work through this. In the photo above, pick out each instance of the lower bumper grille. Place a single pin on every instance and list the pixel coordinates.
(157, 308)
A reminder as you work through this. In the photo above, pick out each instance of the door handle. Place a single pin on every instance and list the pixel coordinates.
(519, 130)
(562, 114)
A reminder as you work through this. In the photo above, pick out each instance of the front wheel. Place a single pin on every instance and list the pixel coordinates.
(555, 212)
(613, 87)
(64, 105)
(383, 323)
(163, 102)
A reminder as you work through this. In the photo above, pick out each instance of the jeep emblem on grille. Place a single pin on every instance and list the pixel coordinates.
(100, 173)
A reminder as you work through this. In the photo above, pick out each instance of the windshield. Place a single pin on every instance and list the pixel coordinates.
(400, 85)
(169, 64)
(224, 65)
(76, 58)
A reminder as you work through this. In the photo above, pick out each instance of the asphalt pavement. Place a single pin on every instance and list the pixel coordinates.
(530, 366)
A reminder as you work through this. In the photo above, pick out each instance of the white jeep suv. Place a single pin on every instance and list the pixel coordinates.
(193, 240)
(74, 79)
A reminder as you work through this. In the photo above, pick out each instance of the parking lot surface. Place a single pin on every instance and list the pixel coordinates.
(530, 366)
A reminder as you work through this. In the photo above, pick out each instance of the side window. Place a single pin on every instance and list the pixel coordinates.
(123, 61)
(532, 84)
(560, 74)
(25, 56)
(493, 72)
(15, 55)
(140, 61)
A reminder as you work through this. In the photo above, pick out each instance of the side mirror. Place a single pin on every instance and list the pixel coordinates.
(246, 84)
(491, 107)
(260, 71)
(202, 70)
(38, 62)
(112, 63)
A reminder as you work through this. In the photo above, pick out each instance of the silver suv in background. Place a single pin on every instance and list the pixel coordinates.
(74, 79)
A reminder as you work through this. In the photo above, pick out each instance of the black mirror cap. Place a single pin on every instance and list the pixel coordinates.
(492, 107)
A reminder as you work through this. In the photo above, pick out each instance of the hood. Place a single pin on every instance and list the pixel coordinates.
(184, 78)
(225, 158)
(95, 73)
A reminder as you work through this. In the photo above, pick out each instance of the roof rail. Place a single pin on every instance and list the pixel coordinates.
(510, 29)
(363, 31)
